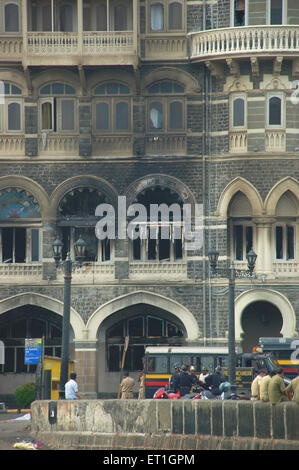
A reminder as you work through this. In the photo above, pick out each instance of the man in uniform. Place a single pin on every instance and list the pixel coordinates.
(175, 380)
(255, 386)
(277, 388)
(186, 381)
(294, 387)
(127, 385)
(264, 386)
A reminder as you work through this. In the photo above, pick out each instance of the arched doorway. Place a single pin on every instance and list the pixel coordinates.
(260, 319)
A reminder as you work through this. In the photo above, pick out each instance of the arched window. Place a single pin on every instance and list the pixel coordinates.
(285, 230)
(148, 328)
(157, 17)
(275, 110)
(241, 226)
(11, 13)
(166, 112)
(11, 109)
(18, 243)
(238, 113)
(76, 218)
(175, 16)
(57, 108)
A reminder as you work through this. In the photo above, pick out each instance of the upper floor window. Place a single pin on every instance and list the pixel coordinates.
(11, 17)
(239, 12)
(275, 109)
(276, 12)
(165, 111)
(11, 109)
(238, 111)
(166, 16)
(286, 213)
(112, 108)
(58, 109)
(18, 243)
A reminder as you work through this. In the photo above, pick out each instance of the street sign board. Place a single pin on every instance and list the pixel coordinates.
(33, 350)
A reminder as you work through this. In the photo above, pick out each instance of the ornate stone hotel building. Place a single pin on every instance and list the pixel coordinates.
(160, 101)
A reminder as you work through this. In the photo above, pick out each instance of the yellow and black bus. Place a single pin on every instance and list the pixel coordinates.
(285, 351)
(160, 360)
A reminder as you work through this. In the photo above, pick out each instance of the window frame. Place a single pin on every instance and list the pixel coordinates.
(166, 102)
(112, 101)
(281, 96)
(232, 16)
(19, 17)
(283, 13)
(233, 241)
(233, 98)
(166, 16)
(284, 226)
(9, 99)
(27, 243)
(56, 112)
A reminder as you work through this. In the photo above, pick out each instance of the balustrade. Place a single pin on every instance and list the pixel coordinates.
(166, 144)
(167, 270)
(275, 141)
(244, 40)
(12, 145)
(238, 142)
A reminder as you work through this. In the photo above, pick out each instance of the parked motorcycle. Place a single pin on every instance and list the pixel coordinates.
(165, 393)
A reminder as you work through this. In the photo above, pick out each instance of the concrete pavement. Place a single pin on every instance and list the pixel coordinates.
(12, 431)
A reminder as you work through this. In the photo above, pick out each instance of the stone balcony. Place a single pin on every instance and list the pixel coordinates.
(244, 42)
(20, 272)
(162, 271)
(70, 48)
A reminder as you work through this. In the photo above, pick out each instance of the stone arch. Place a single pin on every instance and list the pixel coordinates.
(55, 75)
(151, 180)
(168, 73)
(79, 182)
(40, 300)
(15, 77)
(267, 295)
(242, 185)
(105, 76)
(157, 300)
(275, 193)
(31, 187)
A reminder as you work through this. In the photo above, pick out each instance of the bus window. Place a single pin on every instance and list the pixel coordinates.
(186, 360)
(208, 362)
(157, 364)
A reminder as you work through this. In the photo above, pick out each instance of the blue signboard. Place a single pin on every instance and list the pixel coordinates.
(33, 350)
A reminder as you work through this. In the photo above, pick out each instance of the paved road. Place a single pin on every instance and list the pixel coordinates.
(11, 430)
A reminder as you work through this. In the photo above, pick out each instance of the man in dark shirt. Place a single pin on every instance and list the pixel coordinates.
(174, 383)
(214, 380)
(186, 381)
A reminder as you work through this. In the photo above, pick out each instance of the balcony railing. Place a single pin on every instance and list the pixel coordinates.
(166, 144)
(238, 142)
(245, 40)
(11, 48)
(12, 145)
(20, 271)
(275, 141)
(165, 47)
(167, 270)
(83, 49)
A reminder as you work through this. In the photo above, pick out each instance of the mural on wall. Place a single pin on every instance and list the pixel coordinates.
(17, 203)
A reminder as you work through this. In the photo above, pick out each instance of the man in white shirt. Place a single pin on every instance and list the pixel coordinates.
(71, 388)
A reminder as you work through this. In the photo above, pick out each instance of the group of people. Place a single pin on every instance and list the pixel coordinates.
(270, 387)
(184, 379)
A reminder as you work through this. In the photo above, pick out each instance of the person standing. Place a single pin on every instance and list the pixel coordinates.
(175, 379)
(127, 385)
(277, 388)
(214, 380)
(141, 380)
(264, 386)
(71, 388)
(186, 381)
(202, 377)
(255, 386)
(293, 387)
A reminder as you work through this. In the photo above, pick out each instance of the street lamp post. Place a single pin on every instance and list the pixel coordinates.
(232, 274)
(68, 265)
